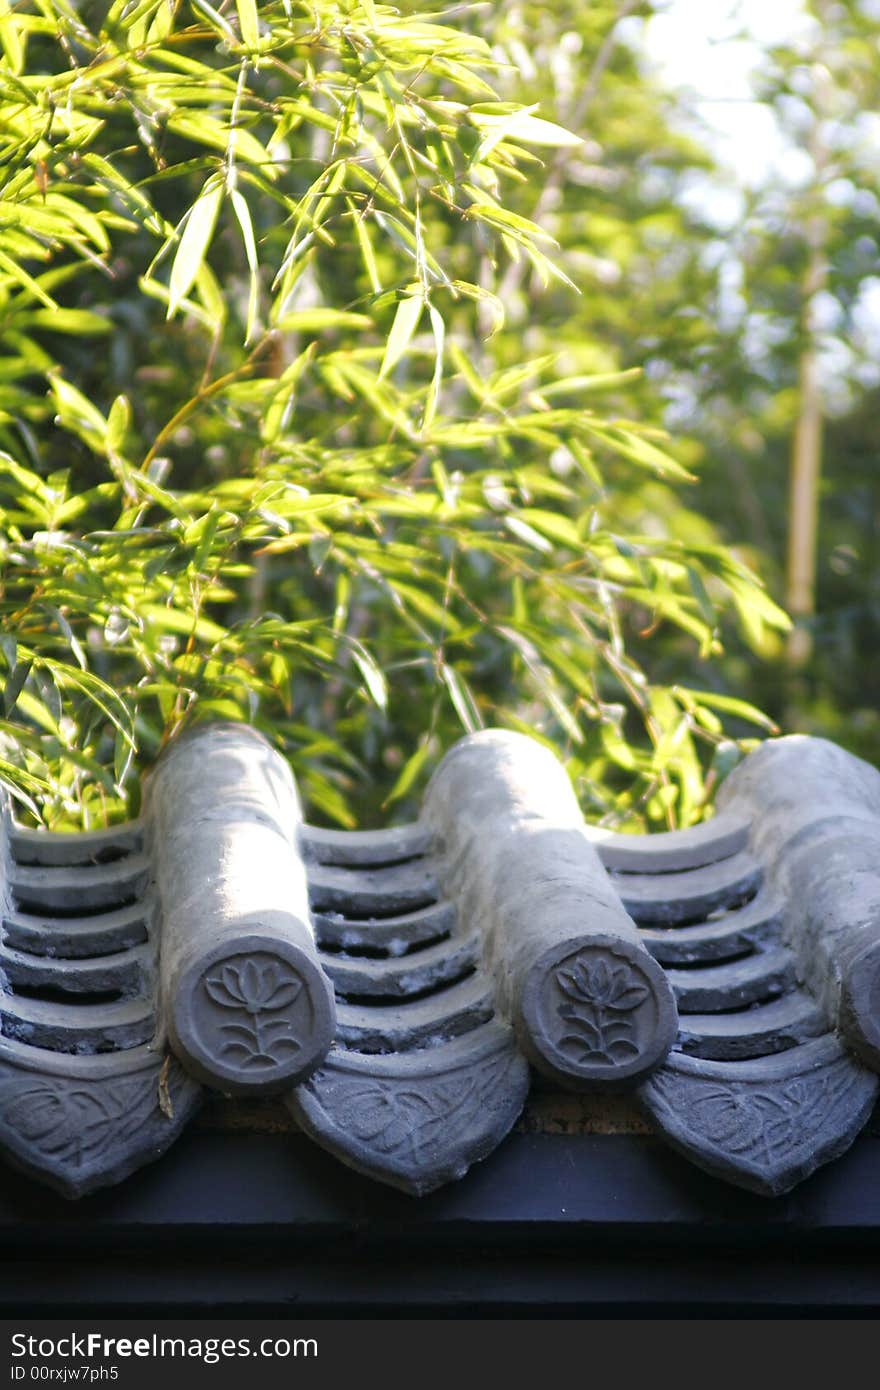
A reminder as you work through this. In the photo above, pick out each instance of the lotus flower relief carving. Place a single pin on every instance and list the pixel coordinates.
(601, 1001)
(258, 994)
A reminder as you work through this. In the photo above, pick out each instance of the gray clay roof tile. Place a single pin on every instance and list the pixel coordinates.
(397, 988)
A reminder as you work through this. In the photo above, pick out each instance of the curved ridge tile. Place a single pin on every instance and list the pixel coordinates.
(420, 1119)
(590, 1005)
(366, 848)
(690, 894)
(670, 851)
(86, 1093)
(734, 932)
(766, 1124)
(753, 980)
(425, 1076)
(398, 978)
(757, 1031)
(815, 812)
(90, 887)
(382, 891)
(395, 935)
(247, 1006)
(75, 938)
(403, 1026)
(85, 847)
(125, 973)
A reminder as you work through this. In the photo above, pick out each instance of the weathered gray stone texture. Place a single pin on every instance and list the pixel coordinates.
(81, 1123)
(488, 934)
(247, 1005)
(416, 1119)
(815, 815)
(84, 1097)
(589, 1004)
(767, 1123)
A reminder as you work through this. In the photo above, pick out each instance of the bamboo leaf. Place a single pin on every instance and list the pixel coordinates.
(462, 698)
(410, 772)
(406, 321)
(438, 329)
(243, 216)
(10, 37)
(729, 704)
(248, 22)
(194, 242)
(313, 320)
(373, 678)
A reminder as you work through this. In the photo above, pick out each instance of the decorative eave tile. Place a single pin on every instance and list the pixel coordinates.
(764, 1124)
(394, 986)
(87, 1091)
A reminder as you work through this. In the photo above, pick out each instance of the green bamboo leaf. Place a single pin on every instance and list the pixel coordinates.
(15, 780)
(194, 242)
(34, 709)
(518, 125)
(374, 680)
(20, 275)
(69, 635)
(426, 606)
(14, 686)
(462, 698)
(282, 401)
(729, 704)
(366, 247)
(215, 20)
(524, 532)
(74, 321)
(102, 695)
(638, 450)
(616, 747)
(438, 328)
(754, 604)
(553, 524)
(77, 413)
(406, 321)
(243, 216)
(201, 534)
(313, 320)
(507, 221)
(187, 624)
(10, 37)
(118, 422)
(249, 22)
(410, 772)
(601, 381)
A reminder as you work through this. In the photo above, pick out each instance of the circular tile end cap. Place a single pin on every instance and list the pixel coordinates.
(597, 1012)
(860, 1005)
(254, 1015)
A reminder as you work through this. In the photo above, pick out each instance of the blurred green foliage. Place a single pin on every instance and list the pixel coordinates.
(739, 399)
(319, 409)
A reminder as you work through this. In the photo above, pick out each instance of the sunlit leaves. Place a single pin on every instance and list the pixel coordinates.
(243, 217)
(249, 22)
(406, 321)
(273, 451)
(194, 242)
(503, 122)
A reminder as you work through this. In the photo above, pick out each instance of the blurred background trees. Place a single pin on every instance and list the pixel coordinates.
(782, 397)
(341, 345)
